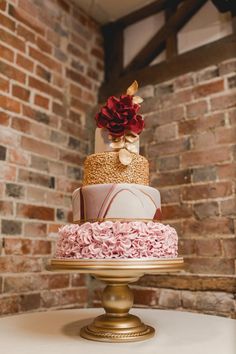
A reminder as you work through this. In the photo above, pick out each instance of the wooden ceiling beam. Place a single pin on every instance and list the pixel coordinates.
(196, 59)
(225, 5)
(142, 13)
(156, 44)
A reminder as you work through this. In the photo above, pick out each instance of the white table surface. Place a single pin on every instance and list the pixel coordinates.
(176, 333)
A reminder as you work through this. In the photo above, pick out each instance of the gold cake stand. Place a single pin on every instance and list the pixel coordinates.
(117, 324)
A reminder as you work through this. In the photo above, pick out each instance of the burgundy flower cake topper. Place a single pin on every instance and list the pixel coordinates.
(120, 117)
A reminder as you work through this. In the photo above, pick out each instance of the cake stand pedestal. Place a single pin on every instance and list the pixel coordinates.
(117, 324)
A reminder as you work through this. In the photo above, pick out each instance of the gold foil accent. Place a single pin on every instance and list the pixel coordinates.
(137, 100)
(106, 168)
(125, 157)
(132, 89)
(83, 221)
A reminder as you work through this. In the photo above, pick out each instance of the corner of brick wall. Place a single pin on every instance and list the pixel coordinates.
(190, 141)
(51, 67)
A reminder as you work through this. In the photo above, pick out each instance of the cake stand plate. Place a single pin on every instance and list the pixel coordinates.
(117, 324)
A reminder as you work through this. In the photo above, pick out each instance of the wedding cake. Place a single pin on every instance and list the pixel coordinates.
(116, 213)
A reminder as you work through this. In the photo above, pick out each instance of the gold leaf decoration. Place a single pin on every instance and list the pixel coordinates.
(131, 138)
(137, 100)
(131, 147)
(125, 157)
(117, 144)
(132, 89)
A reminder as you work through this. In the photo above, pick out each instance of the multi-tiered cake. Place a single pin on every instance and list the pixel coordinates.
(116, 213)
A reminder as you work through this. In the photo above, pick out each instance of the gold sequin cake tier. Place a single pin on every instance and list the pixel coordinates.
(106, 167)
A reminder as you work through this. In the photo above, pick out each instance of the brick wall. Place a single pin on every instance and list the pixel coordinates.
(51, 66)
(190, 141)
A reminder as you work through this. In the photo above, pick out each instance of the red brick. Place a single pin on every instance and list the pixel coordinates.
(145, 296)
(209, 88)
(8, 173)
(205, 139)
(17, 246)
(12, 40)
(165, 148)
(201, 124)
(223, 102)
(12, 72)
(6, 53)
(20, 92)
(64, 5)
(4, 85)
(229, 247)
(44, 59)
(98, 53)
(9, 104)
(42, 247)
(77, 77)
(165, 132)
(7, 22)
(212, 265)
(228, 207)
(9, 304)
(29, 302)
(58, 281)
(35, 229)
(196, 109)
(206, 209)
(205, 157)
(3, 5)
(205, 191)
(19, 264)
(6, 208)
(227, 171)
(40, 117)
(77, 280)
(18, 157)
(59, 109)
(208, 248)
(25, 33)
(226, 135)
(79, 105)
(64, 297)
(35, 212)
(24, 62)
(4, 118)
(176, 211)
(75, 50)
(44, 74)
(170, 178)
(39, 147)
(187, 247)
(45, 88)
(43, 45)
(26, 19)
(41, 101)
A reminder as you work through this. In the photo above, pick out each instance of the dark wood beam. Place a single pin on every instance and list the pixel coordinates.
(158, 41)
(171, 41)
(142, 13)
(196, 59)
(113, 48)
(225, 5)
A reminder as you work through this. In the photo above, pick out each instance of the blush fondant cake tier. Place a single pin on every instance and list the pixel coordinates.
(117, 240)
(122, 201)
(106, 168)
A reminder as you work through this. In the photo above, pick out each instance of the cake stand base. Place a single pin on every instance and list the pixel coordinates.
(117, 325)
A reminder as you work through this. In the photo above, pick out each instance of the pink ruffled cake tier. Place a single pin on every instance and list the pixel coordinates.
(117, 240)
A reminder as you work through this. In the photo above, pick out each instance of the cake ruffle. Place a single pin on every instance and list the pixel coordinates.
(117, 240)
